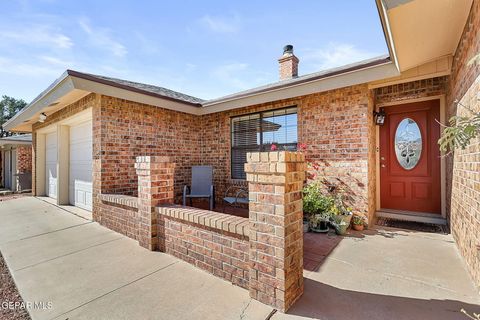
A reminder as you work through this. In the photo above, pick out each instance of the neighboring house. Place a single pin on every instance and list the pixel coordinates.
(95, 126)
(16, 162)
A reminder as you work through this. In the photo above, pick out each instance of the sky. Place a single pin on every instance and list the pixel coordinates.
(203, 48)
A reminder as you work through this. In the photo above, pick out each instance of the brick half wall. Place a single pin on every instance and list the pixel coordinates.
(119, 213)
(215, 242)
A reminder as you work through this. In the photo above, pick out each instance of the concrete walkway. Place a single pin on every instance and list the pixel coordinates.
(90, 272)
(388, 273)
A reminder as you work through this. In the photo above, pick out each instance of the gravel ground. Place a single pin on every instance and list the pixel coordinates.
(9, 294)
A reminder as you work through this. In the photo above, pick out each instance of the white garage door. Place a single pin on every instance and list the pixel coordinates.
(80, 184)
(51, 165)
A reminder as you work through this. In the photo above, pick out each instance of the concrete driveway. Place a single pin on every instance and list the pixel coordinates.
(90, 272)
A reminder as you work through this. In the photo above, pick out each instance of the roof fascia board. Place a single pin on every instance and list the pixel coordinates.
(108, 90)
(360, 76)
(64, 87)
(14, 143)
(387, 32)
(128, 88)
(390, 4)
(69, 83)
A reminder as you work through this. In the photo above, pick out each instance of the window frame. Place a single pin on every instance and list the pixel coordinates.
(261, 147)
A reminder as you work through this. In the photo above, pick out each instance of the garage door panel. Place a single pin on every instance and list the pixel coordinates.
(80, 184)
(81, 194)
(81, 155)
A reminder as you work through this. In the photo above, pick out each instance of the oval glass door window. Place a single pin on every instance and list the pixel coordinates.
(408, 143)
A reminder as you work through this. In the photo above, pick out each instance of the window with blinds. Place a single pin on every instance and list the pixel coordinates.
(258, 131)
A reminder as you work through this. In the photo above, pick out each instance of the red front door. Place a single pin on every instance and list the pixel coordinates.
(410, 158)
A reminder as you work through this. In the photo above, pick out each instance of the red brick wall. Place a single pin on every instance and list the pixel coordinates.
(464, 75)
(121, 219)
(412, 90)
(465, 192)
(24, 159)
(123, 130)
(222, 254)
(335, 125)
(128, 129)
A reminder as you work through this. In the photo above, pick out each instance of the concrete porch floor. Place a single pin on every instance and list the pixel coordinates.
(384, 273)
(90, 272)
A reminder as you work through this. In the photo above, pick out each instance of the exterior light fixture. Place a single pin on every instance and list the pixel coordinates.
(379, 117)
(42, 117)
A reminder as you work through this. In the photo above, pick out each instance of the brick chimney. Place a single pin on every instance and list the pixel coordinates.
(288, 64)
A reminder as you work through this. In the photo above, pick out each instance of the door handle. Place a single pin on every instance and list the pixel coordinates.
(383, 166)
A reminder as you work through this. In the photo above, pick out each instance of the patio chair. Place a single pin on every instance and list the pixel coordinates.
(235, 197)
(202, 186)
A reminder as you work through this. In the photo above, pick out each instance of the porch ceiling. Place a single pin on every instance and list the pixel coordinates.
(422, 31)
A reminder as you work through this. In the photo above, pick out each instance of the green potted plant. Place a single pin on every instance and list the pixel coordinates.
(341, 216)
(316, 207)
(319, 222)
(358, 222)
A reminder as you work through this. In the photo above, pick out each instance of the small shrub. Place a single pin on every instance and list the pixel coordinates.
(314, 202)
(358, 220)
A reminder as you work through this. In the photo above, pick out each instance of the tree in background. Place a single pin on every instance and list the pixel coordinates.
(461, 129)
(8, 108)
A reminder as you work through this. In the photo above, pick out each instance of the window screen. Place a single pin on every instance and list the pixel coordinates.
(257, 132)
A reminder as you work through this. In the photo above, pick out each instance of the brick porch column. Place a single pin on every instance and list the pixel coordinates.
(275, 181)
(155, 186)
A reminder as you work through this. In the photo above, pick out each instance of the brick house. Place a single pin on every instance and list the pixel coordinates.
(88, 130)
(16, 162)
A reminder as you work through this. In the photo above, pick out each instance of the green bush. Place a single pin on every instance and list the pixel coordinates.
(316, 203)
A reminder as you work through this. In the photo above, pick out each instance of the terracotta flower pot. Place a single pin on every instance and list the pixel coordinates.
(358, 227)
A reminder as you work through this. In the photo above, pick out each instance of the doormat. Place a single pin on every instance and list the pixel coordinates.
(411, 225)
